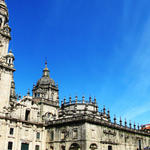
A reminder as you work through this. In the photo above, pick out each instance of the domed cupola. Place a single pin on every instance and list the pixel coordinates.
(46, 80)
(10, 58)
(46, 88)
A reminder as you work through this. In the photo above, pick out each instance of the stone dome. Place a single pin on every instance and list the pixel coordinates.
(46, 80)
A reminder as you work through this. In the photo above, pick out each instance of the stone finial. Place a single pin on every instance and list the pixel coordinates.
(104, 110)
(108, 113)
(120, 121)
(64, 100)
(138, 126)
(134, 126)
(83, 99)
(19, 97)
(125, 123)
(130, 125)
(95, 100)
(115, 119)
(28, 93)
(70, 99)
(61, 102)
(90, 99)
(76, 99)
(96, 108)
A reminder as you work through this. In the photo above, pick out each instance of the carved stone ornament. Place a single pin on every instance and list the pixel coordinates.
(109, 132)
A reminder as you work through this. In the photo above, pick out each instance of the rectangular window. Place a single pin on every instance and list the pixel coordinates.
(38, 135)
(75, 133)
(37, 147)
(93, 134)
(52, 135)
(27, 115)
(62, 135)
(140, 147)
(10, 145)
(24, 146)
(11, 131)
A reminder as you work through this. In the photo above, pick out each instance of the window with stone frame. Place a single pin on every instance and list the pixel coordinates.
(75, 133)
(37, 147)
(52, 135)
(11, 131)
(27, 115)
(109, 147)
(63, 135)
(93, 133)
(10, 145)
(38, 135)
(93, 146)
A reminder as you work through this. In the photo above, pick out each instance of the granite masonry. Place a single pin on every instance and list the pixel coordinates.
(40, 122)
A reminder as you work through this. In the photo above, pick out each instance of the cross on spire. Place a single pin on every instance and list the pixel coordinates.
(45, 62)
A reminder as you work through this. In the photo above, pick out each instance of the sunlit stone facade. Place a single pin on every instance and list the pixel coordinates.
(38, 122)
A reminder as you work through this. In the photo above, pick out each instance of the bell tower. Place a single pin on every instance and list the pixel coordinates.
(4, 29)
(6, 58)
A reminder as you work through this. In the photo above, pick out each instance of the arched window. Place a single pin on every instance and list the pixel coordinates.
(74, 146)
(93, 146)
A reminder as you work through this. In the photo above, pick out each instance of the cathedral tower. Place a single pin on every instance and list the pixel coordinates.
(46, 93)
(6, 58)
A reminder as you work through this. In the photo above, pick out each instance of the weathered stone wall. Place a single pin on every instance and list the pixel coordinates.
(65, 136)
(4, 43)
(5, 85)
(22, 133)
(88, 134)
(104, 136)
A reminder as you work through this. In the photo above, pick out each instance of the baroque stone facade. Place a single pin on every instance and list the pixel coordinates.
(38, 122)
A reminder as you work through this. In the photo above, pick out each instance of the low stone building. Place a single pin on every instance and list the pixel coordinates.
(38, 122)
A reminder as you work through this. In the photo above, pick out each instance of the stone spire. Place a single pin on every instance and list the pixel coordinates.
(46, 70)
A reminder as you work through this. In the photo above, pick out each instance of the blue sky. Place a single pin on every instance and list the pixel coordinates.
(93, 47)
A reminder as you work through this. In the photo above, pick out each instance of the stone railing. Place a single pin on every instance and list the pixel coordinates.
(77, 101)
